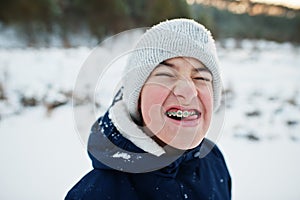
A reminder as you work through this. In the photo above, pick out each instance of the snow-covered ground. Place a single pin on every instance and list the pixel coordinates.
(42, 155)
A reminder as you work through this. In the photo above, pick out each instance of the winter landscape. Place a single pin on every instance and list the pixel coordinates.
(42, 154)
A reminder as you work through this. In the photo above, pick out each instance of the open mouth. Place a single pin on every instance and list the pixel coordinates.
(178, 114)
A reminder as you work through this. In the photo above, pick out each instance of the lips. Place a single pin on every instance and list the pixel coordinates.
(182, 114)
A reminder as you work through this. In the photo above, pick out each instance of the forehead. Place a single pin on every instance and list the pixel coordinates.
(184, 63)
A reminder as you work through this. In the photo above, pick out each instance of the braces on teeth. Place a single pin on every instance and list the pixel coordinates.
(179, 113)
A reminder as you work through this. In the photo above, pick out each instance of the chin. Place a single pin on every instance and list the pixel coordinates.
(185, 146)
(182, 142)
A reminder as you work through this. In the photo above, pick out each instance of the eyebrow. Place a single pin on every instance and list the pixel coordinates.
(199, 69)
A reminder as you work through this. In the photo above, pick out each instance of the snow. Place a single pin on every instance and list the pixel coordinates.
(41, 156)
(125, 156)
(263, 170)
(43, 153)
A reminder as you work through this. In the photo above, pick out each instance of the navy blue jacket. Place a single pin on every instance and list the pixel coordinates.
(190, 176)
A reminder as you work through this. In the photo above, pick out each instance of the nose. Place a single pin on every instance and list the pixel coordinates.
(185, 91)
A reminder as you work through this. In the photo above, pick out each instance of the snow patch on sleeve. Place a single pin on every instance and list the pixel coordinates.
(121, 155)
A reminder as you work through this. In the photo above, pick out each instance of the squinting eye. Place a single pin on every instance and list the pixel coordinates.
(203, 79)
(164, 74)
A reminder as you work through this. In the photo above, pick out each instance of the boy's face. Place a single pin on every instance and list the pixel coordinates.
(176, 102)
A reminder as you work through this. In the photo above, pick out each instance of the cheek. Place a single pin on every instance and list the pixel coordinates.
(206, 96)
(152, 99)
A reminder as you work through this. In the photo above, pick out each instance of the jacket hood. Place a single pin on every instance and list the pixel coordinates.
(117, 142)
(110, 150)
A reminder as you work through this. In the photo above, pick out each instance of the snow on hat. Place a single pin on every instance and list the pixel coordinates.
(169, 39)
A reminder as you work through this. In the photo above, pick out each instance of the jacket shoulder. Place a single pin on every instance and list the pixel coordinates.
(218, 169)
(102, 184)
(210, 150)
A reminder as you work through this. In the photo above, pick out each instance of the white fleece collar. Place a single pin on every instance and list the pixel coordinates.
(120, 117)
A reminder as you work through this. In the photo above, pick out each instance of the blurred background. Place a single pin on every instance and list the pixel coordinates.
(45, 44)
(69, 23)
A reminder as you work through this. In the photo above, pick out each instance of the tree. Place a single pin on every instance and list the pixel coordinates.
(160, 10)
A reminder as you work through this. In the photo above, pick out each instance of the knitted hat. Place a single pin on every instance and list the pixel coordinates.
(169, 39)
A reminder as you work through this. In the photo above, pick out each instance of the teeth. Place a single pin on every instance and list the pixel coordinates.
(181, 113)
(185, 114)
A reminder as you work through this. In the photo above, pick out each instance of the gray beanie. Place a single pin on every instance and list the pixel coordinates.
(168, 39)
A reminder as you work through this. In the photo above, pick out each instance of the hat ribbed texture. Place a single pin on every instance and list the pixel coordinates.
(169, 39)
